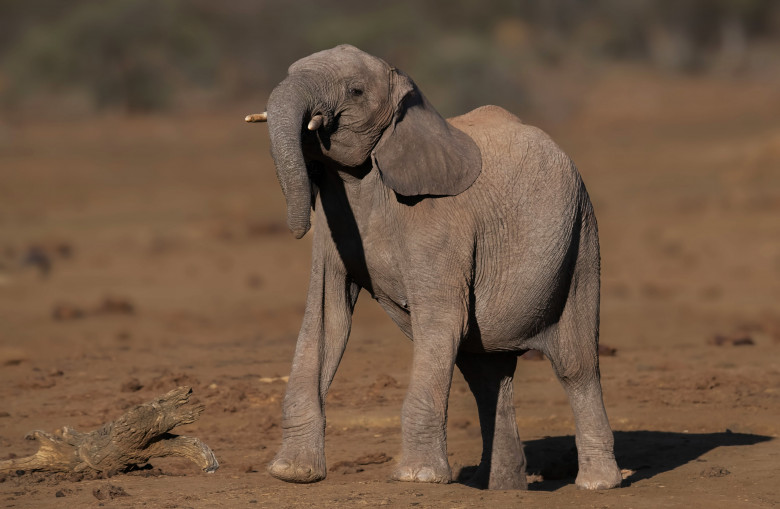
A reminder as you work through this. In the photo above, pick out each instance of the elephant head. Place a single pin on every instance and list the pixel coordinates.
(351, 110)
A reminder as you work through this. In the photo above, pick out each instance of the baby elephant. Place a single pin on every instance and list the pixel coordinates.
(475, 234)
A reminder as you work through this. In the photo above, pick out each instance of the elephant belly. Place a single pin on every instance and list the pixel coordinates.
(513, 307)
(508, 330)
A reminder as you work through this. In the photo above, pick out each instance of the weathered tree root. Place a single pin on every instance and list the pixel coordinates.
(131, 440)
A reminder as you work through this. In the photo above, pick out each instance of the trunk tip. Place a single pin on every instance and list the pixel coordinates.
(299, 232)
(298, 227)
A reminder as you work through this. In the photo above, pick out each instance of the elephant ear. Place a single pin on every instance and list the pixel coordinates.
(420, 153)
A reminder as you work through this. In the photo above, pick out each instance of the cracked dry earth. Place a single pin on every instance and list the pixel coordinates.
(139, 254)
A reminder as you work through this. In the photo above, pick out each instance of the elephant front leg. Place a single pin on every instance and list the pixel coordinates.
(301, 458)
(424, 412)
(320, 346)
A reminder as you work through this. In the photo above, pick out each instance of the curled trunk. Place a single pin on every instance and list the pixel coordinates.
(288, 107)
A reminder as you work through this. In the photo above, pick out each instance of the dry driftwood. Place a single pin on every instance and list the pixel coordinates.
(140, 434)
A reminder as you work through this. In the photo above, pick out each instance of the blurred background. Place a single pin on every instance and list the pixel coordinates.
(142, 231)
(141, 56)
(128, 112)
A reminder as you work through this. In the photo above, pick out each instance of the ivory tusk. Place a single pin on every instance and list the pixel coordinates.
(257, 117)
(315, 123)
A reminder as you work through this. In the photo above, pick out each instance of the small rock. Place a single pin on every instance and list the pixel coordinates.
(346, 467)
(606, 351)
(63, 249)
(109, 492)
(64, 312)
(59, 494)
(37, 256)
(373, 459)
(460, 423)
(715, 472)
(708, 383)
(356, 466)
(131, 385)
(736, 339)
(113, 305)
(384, 381)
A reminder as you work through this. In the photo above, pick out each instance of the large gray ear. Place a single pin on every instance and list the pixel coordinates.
(420, 153)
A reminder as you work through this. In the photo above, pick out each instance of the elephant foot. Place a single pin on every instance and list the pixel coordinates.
(598, 474)
(299, 467)
(419, 471)
(499, 479)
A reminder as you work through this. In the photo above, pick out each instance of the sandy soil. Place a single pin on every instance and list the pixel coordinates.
(145, 253)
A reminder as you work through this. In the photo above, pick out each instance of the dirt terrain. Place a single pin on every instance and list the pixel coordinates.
(140, 254)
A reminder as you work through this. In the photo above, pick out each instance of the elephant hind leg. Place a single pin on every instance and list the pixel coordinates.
(572, 347)
(489, 377)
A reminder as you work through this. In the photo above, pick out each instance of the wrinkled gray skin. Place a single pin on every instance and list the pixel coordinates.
(476, 236)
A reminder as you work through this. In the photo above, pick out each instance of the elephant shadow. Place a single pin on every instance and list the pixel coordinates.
(646, 453)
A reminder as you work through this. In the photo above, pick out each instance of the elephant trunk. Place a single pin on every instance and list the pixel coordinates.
(288, 107)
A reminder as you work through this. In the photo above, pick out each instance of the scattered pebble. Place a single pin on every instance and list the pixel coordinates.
(131, 385)
(114, 305)
(606, 351)
(460, 423)
(41, 256)
(715, 472)
(383, 381)
(37, 257)
(108, 306)
(353, 467)
(63, 312)
(736, 339)
(109, 492)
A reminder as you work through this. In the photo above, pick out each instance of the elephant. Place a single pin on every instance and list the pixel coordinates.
(475, 234)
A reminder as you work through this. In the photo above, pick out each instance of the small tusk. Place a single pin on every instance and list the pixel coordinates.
(315, 123)
(257, 117)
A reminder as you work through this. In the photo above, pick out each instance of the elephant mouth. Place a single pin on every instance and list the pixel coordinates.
(316, 135)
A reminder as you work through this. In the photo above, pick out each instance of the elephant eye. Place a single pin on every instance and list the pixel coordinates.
(355, 92)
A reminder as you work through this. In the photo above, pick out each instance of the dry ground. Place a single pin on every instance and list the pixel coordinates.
(140, 254)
